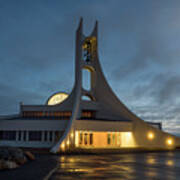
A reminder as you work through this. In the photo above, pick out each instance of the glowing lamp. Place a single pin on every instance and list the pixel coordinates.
(150, 135)
(62, 146)
(169, 141)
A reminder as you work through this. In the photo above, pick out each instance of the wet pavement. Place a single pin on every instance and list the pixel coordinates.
(145, 166)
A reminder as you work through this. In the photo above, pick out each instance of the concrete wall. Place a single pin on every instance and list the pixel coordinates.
(99, 125)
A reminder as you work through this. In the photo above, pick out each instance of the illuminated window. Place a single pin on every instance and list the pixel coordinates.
(114, 139)
(57, 98)
(76, 138)
(109, 138)
(118, 138)
(85, 138)
(89, 48)
(91, 138)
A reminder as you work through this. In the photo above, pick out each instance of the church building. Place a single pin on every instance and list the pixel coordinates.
(89, 119)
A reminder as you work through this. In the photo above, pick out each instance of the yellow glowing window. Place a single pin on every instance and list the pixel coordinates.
(114, 138)
(118, 138)
(57, 98)
(85, 138)
(90, 138)
(109, 138)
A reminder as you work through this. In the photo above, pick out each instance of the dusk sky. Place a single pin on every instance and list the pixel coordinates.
(139, 50)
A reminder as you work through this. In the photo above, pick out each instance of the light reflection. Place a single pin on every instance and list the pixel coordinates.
(138, 166)
(71, 160)
(62, 146)
(62, 159)
(151, 161)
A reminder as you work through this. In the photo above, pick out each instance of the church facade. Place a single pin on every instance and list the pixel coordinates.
(88, 119)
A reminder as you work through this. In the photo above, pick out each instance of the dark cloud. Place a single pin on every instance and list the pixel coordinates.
(138, 47)
(11, 97)
(163, 89)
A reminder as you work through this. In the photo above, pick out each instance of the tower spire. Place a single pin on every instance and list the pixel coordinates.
(95, 30)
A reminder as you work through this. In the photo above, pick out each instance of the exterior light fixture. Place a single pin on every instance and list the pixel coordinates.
(169, 141)
(150, 135)
(62, 146)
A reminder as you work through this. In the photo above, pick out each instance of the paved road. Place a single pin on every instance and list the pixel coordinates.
(145, 166)
(34, 170)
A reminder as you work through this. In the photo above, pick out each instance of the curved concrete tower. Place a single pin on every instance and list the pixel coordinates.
(110, 114)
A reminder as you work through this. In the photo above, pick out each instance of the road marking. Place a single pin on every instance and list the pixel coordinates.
(50, 173)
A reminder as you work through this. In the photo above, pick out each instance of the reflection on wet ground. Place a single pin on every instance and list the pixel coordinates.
(119, 166)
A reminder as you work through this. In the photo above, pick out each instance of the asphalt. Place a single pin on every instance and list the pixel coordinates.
(32, 170)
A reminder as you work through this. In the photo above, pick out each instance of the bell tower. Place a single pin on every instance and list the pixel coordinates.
(102, 100)
(86, 55)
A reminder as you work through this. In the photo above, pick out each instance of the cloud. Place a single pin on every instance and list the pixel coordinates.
(138, 47)
(11, 97)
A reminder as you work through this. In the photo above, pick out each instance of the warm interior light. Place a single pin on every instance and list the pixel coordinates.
(72, 135)
(57, 98)
(150, 135)
(67, 142)
(94, 139)
(77, 138)
(169, 141)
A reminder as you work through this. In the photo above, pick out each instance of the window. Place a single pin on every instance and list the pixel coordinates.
(35, 135)
(50, 136)
(91, 138)
(85, 138)
(87, 48)
(19, 135)
(118, 138)
(45, 135)
(24, 136)
(86, 79)
(108, 138)
(114, 139)
(8, 135)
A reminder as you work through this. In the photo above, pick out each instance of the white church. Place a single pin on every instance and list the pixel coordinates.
(86, 120)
